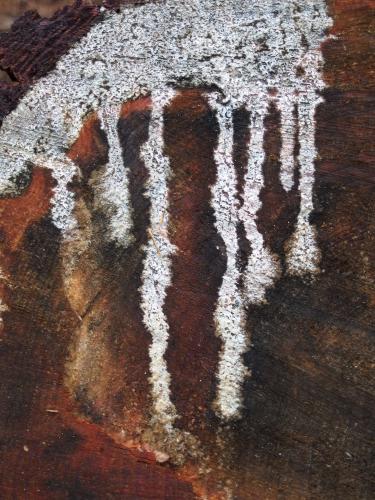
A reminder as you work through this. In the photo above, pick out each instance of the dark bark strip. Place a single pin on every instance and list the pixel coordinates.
(198, 266)
(278, 215)
(241, 138)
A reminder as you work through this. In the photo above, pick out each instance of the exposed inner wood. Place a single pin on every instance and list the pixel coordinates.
(75, 401)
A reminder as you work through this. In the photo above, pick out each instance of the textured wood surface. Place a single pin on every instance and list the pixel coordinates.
(307, 431)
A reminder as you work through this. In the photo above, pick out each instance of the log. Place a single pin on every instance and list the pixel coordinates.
(187, 248)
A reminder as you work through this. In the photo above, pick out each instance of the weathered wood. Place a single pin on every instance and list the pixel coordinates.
(76, 400)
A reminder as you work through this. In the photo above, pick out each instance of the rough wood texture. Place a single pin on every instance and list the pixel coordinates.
(75, 425)
(11, 9)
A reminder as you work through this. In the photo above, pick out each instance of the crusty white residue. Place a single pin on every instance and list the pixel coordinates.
(286, 104)
(262, 268)
(251, 53)
(303, 254)
(114, 186)
(230, 313)
(157, 264)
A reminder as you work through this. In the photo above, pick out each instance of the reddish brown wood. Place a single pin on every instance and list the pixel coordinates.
(190, 305)
(308, 426)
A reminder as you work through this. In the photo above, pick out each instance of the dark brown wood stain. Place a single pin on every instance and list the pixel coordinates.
(198, 266)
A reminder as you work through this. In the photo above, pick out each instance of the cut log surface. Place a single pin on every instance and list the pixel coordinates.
(187, 249)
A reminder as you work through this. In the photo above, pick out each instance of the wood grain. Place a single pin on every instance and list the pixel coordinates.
(308, 428)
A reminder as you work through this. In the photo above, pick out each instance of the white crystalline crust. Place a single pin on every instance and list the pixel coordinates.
(252, 53)
(262, 268)
(114, 188)
(157, 266)
(230, 313)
